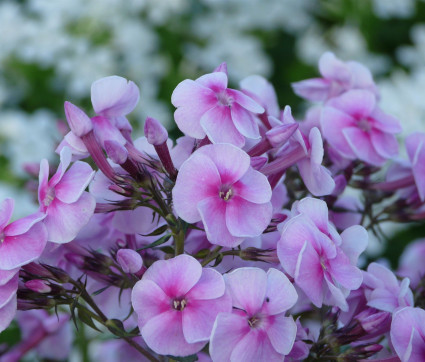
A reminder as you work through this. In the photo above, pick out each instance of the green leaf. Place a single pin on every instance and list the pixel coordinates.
(160, 241)
(203, 253)
(167, 249)
(191, 358)
(158, 231)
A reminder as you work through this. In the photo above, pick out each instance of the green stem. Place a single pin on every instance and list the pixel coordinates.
(213, 255)
(179, 242)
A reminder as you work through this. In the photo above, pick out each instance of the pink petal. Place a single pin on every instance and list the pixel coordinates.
(213, 215)
(164, 335)
(358, 103)
(19, 250)
(354, 242)
(216, 81)
(333, 122)
(199, 317)
(280, 294)
(7, 313)
(259, 89)
(21, 226)
(65, 157)
(137, 221)
(361, 145)
(384, 143)
(316, 210)
(175, 276)
(229, 330)
(333, 68)
(74, 182)
(415, 145)
(6, 275)
(210, 286)
(309, 274)
(247, 287)
(149, 300)
(315, 89)
(105, 130)
(198, 173)
(6, 211)
(317, 178)
(43, 180)
(218, 125)
(255, 346)
(253, 187)
(335, 297)
(244, 122)
(385, 122)
(64, 221)
(192, 100)
(281, 332)
(76, 144)
(114, 96)
(246, 219)
(344, 273)
(8, 291)
(231, 162)
(246, 102)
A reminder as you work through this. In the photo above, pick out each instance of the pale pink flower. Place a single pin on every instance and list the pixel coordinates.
(258, 329)
(206, 107)
(63, 199)
(23, 240)
(8, 288)
(218, 186)
(408, 334)
(177, 302)
(357, 129)
(337, 77)
(322, 262)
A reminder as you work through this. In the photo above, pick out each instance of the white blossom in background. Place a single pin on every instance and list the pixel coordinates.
(394, 8)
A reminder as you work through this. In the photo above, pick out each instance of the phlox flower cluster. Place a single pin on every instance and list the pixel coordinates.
(236, 242)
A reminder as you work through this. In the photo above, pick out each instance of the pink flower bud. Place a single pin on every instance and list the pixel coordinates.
(78, 121)
(38, 286)
(116, 151)
(129, 260)
(279, 135)
(155, 132)
(221, 68)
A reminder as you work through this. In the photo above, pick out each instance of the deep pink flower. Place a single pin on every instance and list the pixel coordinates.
(23, 240)
(258, 329)
(63, 199)
(337, 77)
(8, 288)
(408, 334)
(218, 186)
(206, 107)
(356, 128)
(177, 302)
(322, 262)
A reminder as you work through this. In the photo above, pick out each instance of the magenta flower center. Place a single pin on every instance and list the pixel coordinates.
(365, 125)
(2, 237)
(179, 304)
(224, 99)
(226, 192)
(50, 196)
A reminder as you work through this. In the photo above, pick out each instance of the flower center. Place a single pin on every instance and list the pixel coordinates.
(2, 237)
(50, 196)
(254, 321)
(364, 125)
(179, 304)
(224, 99)
(225, 193)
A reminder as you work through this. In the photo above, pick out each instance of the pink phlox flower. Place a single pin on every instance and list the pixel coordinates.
(8, 289)
(300, 350)
(258, 329)
(337, 78)
(322, 262)
(356, 128)
(177, 302)
(206, 107)
(408, 334)
(415, 146)
(63, 199)
(218, 186)
(383, 291)
(21, 241)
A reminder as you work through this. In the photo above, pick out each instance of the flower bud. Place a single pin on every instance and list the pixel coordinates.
(279, 135)
(78, 121)
(129, 260)
(38, 286)
(116, 151)
(221, 68)
(155, 132)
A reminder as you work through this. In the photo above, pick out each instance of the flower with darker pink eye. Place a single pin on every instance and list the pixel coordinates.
(206, 107)
(218, 186)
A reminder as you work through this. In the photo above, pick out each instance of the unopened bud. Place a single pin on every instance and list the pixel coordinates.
(279, 135)
(155, 132)
(78, 121)
(38, 286)
(221, 68)
(129, 260)
(116, 151)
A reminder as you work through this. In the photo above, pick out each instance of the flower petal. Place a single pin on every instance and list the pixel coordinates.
(7, 313)
(246, 102)
(210, 286)
(281, 332)
(244, 122)
(6, 211)
(280, 294)
(216, 81)
(253, 187)
(358, 103)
